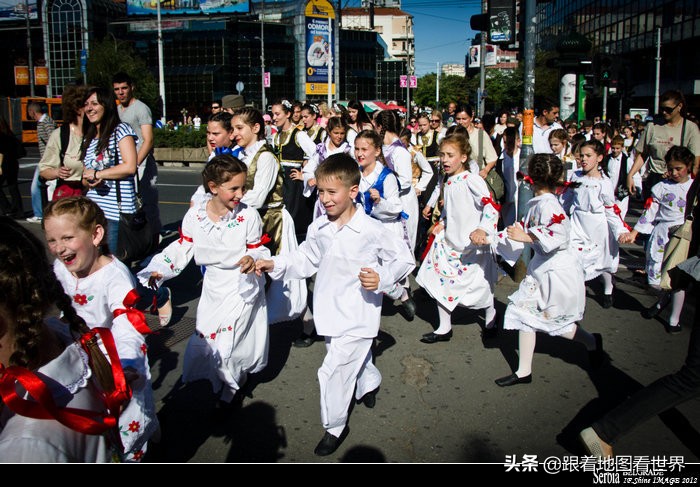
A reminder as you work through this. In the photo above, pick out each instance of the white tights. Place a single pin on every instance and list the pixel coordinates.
(526, 347)
(445, 317)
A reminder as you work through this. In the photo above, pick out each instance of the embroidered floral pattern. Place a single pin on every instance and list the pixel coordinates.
(212, 336)
(134, 426)
(144, 348)
(82, 299)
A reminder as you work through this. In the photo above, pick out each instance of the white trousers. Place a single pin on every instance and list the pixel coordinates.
(348, 362)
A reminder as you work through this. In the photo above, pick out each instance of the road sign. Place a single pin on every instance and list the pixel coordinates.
(412, 82)
(403, 81)
(239, 87)
(266, 79)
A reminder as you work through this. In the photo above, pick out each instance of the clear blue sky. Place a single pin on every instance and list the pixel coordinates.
(441, 29)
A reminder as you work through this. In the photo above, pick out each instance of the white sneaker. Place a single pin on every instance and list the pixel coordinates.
(34, 220)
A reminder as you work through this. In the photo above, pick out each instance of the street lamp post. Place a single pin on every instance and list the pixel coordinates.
(262, 55)
(161, 74)
(30, 60)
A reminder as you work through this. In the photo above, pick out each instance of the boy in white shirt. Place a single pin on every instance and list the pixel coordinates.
(357, 259)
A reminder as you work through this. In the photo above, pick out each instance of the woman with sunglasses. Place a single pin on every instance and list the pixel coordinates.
(658, 139)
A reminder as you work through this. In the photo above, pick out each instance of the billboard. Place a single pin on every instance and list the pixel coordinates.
(475, 56)
(319, 15)
(17, 10)
(189, 7)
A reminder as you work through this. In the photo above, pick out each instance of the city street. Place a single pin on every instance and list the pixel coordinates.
(437, 403)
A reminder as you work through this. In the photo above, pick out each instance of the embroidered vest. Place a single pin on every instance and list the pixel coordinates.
(274, 197)
(286, 150)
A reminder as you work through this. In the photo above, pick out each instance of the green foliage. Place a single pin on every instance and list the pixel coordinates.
(110, 56)
(452, 88)
(184, 137)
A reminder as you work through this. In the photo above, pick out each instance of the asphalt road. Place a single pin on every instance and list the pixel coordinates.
(437, 403)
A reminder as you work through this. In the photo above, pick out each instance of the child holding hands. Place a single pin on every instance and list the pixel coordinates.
(356, 260)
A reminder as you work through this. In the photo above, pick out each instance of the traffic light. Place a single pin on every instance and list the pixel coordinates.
(499, 22)
(606, 74)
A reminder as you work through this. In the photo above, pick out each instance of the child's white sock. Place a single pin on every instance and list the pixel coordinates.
(490, 316)
(445, 317)
(677, 299)
(607, 283)
(526, 351)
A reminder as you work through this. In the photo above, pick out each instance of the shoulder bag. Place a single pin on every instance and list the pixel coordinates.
(66, 189)
(494, 181)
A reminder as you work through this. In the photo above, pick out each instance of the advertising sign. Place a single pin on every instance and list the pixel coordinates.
(41, 75)
(319, 46)
(412, 82)
(186, 7)
(17, 10)
(22, 75)
(266, 79)
(403, 81)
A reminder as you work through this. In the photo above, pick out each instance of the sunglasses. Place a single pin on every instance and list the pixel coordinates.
(214, 107)
(669, 110)
(436, 121)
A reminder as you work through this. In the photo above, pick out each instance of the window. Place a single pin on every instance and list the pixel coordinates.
(65, 40)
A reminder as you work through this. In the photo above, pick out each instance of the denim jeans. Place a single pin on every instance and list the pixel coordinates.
(113, 235)
(665, 393)
(36, 189)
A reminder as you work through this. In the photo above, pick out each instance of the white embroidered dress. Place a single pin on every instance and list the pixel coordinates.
(456, 272)
(231, 336)
(595, 226)
(389, 209)
(96, 298)
(662, 211)
(552, 296)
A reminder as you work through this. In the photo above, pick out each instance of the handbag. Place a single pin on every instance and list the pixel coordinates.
(677, 249)
(493, 179)
(66, 189)
(136, 238)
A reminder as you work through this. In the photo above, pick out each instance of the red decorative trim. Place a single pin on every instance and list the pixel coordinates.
(265, 239)
(183, 237)
(489, 201)
(135, 316)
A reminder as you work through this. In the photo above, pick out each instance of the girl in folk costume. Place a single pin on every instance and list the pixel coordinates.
(231, 335)
(358, 120)
(457, 269)
(552, 297)
(316, 133)
(264, 187)
(561, 147)
(421, 169)
(335, 143)
(595, 221)
(427, 140)
(379, 195)
(104, 295)
(398, 159)
(663, 213)
(293, 147)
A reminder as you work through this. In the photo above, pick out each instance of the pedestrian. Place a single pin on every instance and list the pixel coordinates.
(48, 351)
(357, 258)
(230, 340)
(293, 147)
(511, 167)
(561, 147)
(655, 141)
(544, 123)
(197, 122)
(103, 294)
(595, 221)
(215, 107)
(11, 150)
(552, 296)
(663, 213)
(458, 268)
(137, 114)
(231, 103)
(109, 156)
(60, 162)
(45, 125)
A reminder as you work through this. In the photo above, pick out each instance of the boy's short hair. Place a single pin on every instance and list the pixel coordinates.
(617, 140)
(342, 167)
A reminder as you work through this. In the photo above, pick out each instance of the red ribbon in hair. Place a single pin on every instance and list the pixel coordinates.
(265, 239)
(648, 203)
(489, 201)
(135, 316)
(556, 219)
(43, 405)
(618, 212)
(183, 237)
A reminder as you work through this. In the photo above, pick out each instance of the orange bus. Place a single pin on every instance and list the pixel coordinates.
(29, 135)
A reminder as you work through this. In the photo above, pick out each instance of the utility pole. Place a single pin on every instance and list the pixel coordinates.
(262, 56)
(437, 87)
(658, 70)
(30, 60)
(161, 71)
(330, 60)
(408, 73)
(482, 65)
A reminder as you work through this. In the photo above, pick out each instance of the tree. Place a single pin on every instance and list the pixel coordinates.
(452, 89)
(110, 56)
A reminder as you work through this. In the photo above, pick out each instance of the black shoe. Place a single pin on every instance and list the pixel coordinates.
(651, 312)
(607, 301)
(304, 340)
(597, 357)
(409, 308)
(434, 337)
(330, 443)
(512, 379)
(674, 330)
(490, 333)
(370, 399)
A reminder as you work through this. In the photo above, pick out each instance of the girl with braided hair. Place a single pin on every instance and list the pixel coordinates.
(552, 297)
(32, 344)
(103, 294)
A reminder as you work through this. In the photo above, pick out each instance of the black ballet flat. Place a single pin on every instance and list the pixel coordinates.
(512, 379)
(434, 337)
